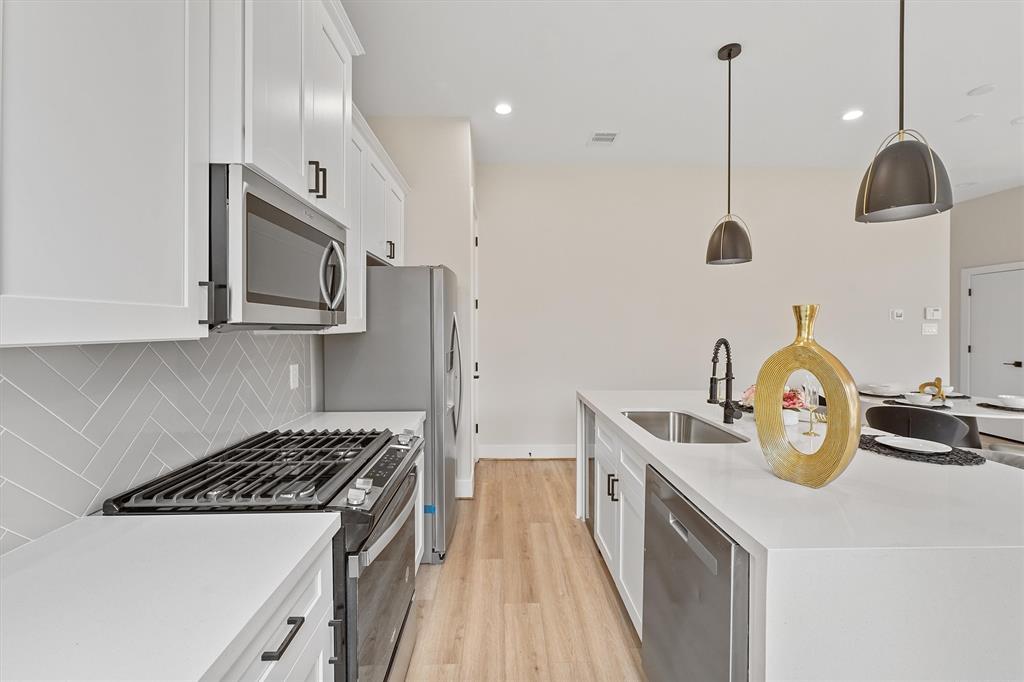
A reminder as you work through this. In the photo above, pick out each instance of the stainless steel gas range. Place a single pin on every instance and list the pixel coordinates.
(369, 477)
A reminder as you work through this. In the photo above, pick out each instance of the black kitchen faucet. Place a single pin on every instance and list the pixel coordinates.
(731, 410)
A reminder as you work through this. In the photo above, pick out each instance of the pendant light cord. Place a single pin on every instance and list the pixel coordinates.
(902, 3)
(728, 145)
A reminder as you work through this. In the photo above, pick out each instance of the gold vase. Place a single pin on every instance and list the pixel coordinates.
(843, 428)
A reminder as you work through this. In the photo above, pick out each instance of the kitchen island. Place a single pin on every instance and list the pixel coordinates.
(897, 569)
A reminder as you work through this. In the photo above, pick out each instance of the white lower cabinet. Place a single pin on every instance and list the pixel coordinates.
(619, 519)
(296, 642)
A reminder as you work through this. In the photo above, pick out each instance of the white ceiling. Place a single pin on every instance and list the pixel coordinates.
(649, 71)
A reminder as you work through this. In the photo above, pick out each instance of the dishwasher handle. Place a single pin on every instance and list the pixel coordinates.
(691, 540)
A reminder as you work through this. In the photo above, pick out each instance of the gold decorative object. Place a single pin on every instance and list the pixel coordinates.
(936, 385)
(843, 432)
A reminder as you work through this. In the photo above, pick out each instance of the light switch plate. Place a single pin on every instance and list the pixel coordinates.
(896, 314)
(929, 329)
(933, 313)
(293, 376)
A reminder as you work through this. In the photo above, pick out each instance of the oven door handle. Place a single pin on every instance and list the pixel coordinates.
(369, 554)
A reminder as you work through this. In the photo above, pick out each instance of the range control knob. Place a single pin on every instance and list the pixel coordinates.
(404, 438)
(364, 483)
(356, 497)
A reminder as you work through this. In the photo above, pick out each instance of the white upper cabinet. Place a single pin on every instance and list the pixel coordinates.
(274, 120)
(328, 119)
(376, 202)
(355, 250)
(383, 201)
(395, 214)
(282, 95)
(104, 177)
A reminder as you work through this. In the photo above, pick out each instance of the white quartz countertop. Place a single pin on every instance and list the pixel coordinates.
(395, 421)
(878, 502)
(148, 597)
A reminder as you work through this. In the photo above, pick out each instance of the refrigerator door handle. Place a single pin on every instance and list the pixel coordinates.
(457, 370)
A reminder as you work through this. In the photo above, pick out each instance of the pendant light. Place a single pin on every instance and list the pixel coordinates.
(730, 240)
(906, 178)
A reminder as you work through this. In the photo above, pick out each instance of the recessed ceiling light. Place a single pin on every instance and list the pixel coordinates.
(968, 118)
(852, 115)
(503, 108)
(1017, 121)
(981, 90)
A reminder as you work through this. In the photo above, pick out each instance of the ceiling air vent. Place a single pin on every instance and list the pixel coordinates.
(601, 139)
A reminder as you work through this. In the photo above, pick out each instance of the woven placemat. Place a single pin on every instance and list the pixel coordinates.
(955, 457)
(993, 406)
(927, 407)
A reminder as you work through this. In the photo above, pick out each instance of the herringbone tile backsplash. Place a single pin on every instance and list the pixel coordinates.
(81, 423)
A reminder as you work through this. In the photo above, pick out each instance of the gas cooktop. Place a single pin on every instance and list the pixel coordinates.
(271, 471)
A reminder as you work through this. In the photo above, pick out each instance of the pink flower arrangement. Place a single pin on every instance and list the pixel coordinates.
(792, 399)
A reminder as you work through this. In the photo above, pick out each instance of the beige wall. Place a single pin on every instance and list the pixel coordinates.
(435, 155)
(983, 231)
(594, 277)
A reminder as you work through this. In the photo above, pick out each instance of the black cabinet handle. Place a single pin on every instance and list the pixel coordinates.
(608, 485)
(323, 192)
(296, 623)
(391, 249)
(1016, 363)
(614, 481)
(316, 177)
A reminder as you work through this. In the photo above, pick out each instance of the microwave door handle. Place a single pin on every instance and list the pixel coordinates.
(323, 274)
(336, 301)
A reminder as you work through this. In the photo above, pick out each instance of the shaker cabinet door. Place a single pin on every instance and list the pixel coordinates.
(274, 80)
(104, 170)
(606, 507)
(396, 225)
(328, 112)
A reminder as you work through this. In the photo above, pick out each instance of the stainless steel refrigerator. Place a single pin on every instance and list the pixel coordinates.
(409, 358)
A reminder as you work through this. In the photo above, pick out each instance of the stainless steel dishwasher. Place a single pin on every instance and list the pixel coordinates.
(696, 581)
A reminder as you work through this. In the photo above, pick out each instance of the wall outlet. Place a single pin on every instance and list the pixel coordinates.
(293, 376)
(933, 313)
(896, 314)
(929, 329)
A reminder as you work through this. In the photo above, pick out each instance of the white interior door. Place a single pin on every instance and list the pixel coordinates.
(997, 343)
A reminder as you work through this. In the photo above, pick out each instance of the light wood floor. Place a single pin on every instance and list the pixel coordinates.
(523, 594)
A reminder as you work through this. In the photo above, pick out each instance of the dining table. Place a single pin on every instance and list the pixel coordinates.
(968, 409)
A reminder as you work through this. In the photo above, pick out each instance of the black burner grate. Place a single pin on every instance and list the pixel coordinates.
(275, 470)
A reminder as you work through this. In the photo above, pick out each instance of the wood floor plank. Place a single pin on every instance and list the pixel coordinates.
(523, 593)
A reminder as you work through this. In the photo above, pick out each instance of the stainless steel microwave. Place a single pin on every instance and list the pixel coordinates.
(275, 261)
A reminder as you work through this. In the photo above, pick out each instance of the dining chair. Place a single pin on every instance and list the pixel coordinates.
(914, 422)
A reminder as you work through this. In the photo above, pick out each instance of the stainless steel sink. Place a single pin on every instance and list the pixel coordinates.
(681, 427)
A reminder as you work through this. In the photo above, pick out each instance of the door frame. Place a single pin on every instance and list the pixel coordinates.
(965, 313)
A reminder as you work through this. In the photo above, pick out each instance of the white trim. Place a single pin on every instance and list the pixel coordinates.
(371, 139)
(528, 451)
(965, 314)
(464, 488)
(345, 27)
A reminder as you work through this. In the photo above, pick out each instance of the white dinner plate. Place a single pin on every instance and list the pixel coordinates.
(904, 401)
(880, 393)
(928, 447)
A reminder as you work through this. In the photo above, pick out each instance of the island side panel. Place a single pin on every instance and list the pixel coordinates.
(895, 613)
(581, 463)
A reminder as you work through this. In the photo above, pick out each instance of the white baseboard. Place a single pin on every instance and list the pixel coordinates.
(527, 451)
(464, 488)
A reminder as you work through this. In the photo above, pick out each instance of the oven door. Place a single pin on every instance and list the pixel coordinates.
(286, 261)
(379, 590)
